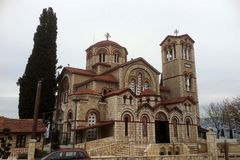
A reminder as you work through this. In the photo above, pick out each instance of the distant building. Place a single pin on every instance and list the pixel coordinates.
(21, 132)
(130, 101)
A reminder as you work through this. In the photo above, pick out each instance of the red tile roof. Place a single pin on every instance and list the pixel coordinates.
(118, 92)
(106, 43)
(178, 100)
(101, 63)
(85, 91)
(148, 92)
(79, 71)
(20, 125)
(103, 78)
(130, 62)
(98, 125)
(180, 36)
(145, 105)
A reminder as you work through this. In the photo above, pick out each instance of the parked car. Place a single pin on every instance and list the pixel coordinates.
(67, 154)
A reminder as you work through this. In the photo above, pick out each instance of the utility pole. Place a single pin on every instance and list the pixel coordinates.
(36, 108)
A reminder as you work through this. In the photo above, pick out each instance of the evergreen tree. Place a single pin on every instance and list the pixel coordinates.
(41, 65)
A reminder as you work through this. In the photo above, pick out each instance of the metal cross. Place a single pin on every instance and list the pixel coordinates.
(107, 35)
(176, 31)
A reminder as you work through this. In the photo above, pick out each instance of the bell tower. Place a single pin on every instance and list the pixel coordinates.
(178, 66)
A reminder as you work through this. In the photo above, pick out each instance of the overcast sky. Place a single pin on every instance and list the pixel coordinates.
(138, 25)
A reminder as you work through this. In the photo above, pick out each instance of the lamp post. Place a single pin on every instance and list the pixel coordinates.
(75, 100)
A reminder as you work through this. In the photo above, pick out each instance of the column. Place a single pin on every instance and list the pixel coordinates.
(212, 145)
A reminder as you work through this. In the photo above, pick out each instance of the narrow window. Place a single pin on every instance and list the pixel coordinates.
(132, 85)
(116, 58)
(144, 126)
(187, 82)
(100, 57)
(175, 130)
(130, 99)
(126, 119)
(139, 84)
(188, 129)
(124, 99)
(190, 82)
(103, 54)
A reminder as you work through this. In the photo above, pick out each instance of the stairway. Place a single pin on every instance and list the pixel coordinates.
(123, 150)
(193, 148)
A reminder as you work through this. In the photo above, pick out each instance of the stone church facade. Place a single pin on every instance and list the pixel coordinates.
(119, 101)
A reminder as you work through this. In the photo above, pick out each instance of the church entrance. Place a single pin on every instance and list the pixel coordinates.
(161, 128)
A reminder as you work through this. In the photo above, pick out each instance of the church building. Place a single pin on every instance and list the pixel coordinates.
(116, 101)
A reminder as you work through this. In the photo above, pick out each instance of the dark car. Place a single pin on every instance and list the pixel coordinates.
(67, 153)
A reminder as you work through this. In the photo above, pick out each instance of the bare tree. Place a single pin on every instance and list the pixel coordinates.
(216, 116)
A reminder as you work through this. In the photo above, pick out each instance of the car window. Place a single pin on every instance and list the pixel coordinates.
(70, 155)
(55, 156)
(82, 155)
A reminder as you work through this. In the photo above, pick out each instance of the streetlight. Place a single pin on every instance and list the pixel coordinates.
(75, 100)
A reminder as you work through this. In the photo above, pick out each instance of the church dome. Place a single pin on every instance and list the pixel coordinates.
(104, 55)
(105, 43)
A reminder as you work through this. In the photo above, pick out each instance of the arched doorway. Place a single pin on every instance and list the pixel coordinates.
(161, 128)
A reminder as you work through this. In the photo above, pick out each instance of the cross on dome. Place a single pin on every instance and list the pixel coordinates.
(107, 35)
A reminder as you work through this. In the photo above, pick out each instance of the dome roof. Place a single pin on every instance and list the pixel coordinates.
(105, 43)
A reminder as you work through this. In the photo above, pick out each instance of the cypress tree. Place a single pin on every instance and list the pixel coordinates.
(41, 65)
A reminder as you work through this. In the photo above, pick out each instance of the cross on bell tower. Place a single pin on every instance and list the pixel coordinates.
(176, 32)
(107, 35)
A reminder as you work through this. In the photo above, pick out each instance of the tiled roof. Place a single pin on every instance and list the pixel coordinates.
(130, 62)
(101, 63)
(85, 91)
(118, 92)
(148, 92)
(177, 100)
(105, 43)
(79, 71)
(98, 125)
(145, 105)
(180, 36)
(20, 125)
(104, 78)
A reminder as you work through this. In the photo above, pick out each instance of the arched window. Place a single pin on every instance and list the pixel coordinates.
(139, 84)
(144, 126)
(190, 82)
(64, 90)
(69, 126)
(188, 123)
(124, 99)
(127, 119)
(132, 85)
(92, 119)
(175, 129)
(101, 55)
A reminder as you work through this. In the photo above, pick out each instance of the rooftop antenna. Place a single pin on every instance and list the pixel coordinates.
(107, 35)
(176, 32)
